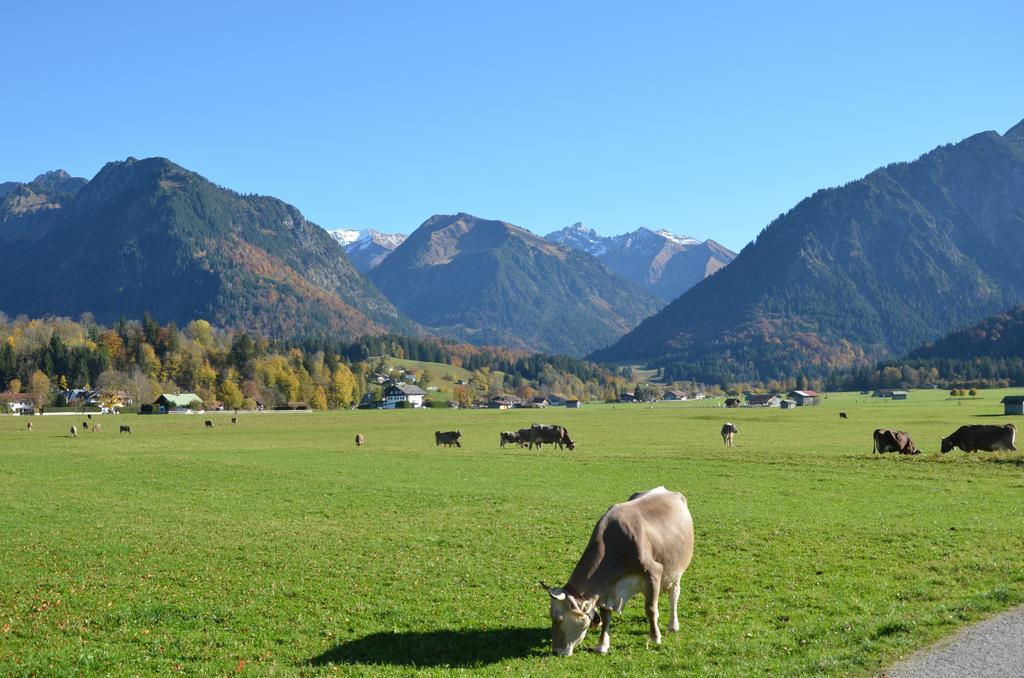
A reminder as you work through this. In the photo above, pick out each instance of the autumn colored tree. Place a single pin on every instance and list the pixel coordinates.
(229, 394)
(318, 400)
(462, 396)
(39, 386)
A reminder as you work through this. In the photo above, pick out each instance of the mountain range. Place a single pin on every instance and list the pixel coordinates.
(663, 263)
(489, 282)
(855, 273)
(149, 235)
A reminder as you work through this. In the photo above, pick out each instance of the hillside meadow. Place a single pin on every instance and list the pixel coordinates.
(275, 546)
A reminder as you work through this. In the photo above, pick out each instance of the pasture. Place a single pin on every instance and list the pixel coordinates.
(278, 547)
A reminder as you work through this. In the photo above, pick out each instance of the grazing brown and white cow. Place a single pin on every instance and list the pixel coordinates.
(729, 432)
(448, 438)
(30, 426)
(556, 435)
(508, 437)
(96, 427)
(984, 437)
(639, 546)
(887, 440)
(74, 432)
(360, 440)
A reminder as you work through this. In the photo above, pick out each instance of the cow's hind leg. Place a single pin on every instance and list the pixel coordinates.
(651, 590)
(673, 597)
(606, 638)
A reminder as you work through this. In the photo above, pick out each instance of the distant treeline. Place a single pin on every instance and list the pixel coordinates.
(50, 356)
(520, 364)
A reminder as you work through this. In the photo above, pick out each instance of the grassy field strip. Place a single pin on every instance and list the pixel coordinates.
(278, 546)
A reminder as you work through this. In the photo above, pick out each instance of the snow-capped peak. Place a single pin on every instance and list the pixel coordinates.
(345, 236)
(681, 239)
(353, 239)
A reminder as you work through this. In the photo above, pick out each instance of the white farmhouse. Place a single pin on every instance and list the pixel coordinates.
(403, 393)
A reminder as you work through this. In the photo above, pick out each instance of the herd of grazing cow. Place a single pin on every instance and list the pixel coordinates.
(538, 434)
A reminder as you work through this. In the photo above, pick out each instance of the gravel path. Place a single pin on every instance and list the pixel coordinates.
(993, 648)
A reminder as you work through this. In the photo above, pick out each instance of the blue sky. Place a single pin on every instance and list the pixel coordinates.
(706, 120)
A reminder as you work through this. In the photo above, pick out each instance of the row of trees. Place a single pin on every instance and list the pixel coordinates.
(144, 358)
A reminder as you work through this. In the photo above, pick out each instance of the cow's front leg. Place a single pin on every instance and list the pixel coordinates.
(605, 641)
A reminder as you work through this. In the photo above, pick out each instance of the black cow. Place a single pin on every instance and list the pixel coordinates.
(984, 437)
(448, 438)
(842, 415)
(209, 424)
(126, 429)
(729, 432)
(556, 435)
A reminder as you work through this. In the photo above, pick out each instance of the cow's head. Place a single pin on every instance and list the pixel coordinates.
(570, 443)
(947, 445)
(570, 620)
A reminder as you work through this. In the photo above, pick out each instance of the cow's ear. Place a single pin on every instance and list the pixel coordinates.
(557, 594)
(588, 606)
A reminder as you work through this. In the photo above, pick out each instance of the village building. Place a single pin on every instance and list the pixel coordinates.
(898, 395)
(539, 401)
(676, 395)
(627, 397)
(504, 402)
(787, 404)
(805, 398)
(556, 399)
(888, 393)
(763, 400)
(18, 403)
(1013, 404)
(411, 395)
(169, 403)
(574, 404)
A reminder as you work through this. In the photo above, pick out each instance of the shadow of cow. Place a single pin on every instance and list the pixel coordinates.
(438, 648)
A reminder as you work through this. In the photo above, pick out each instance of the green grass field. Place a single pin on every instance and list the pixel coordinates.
(276, 547)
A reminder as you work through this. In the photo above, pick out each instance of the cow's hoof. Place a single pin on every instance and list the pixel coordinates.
(656, 640)
(674, 628)
(600, 650)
